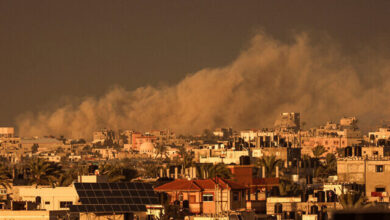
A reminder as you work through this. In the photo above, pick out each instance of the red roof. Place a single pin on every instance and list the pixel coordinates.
(265, 181)
(198, 185)
(179, 184)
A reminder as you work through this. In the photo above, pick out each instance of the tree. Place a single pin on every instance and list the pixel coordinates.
(66, 178)
(329, 167)
(352, 200)
(117, 172)
(340, 152)
(270, 163)
(161, 150)
(186, 157)
(310, 165)
(5, 177)
(288, 188)
(318, 151)
(207, 171)
(43, 172)
(112, 171)
(34, 148)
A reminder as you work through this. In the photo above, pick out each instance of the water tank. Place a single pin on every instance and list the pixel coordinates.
(321, 196)
(314, 209)
(295, 178)
(92, 168)
(186, 204)
(330, 196)
(278, 208)
(348, 151)
(245, 160)
(309, 179)
(304, 196)
(358, 151)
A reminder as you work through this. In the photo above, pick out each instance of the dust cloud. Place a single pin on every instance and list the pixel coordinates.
(306, 75)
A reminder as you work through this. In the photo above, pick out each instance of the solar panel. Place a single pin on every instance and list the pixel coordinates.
(114, 197)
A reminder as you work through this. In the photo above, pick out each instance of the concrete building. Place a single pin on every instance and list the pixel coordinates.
(103, 135)
(380, 137)
(7, 132)
(373, 173)
(288, 121)
(209, 196)
(58, 198)
(226, 157)
(42, 144)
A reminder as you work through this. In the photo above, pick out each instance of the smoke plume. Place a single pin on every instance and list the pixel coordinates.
(306, 75)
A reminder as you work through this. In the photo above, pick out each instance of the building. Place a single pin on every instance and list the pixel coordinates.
(374, 173)
(47, 198)
(380, 137)
(288, 121)
(7, 132)
(103, 135)
(41, 144)
(208, 196)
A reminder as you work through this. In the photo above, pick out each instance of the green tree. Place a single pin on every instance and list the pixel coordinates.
(288, 188)
(329, 167)
(186, 157)
(43, 172)
(310, 165)
(318, 151)
(5, 177)
(270, 163)
(161, 151)
(116, 171)
(66, 178)
(352, 200)
(207, 171)
(34, 148)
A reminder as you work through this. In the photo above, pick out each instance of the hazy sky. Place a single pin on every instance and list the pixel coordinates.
(51, 50)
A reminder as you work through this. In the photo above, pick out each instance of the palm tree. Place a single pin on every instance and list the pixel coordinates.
(112, 171)
(161, 150)
(318, 151)
(5, 177)
(329, 167)
(207, 171)
(66, 178)
(270, 163)
(352, 200)
(116, 171)
(288, 188)
(186, 158)
(310, 165)
(43, 172)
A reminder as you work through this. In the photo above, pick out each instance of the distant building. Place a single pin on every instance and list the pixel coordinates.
(288, 121)
(103, 135)
(7, 132)
(223, 132)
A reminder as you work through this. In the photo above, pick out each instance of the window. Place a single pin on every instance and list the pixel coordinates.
(208, 197)
(379, 168)
(380, 189)
(47, 203)
(180, 197)
(65, 204)
(192, 199)
(236, 195)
